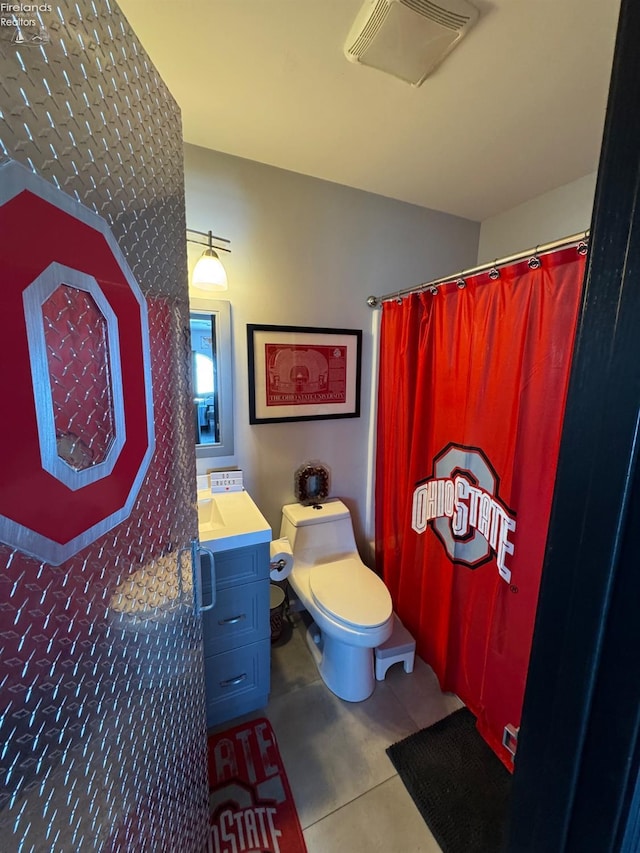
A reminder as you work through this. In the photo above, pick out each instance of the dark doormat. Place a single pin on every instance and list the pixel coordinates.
(459, 785)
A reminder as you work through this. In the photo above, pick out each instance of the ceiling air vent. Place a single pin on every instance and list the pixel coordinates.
(408, 38)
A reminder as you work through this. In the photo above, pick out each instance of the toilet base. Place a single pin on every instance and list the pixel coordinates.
(346, 670)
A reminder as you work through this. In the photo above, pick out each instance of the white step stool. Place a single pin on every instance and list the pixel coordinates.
(399, 647)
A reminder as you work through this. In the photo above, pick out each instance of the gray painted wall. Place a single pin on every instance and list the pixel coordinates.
(308, 252)
(551, 216)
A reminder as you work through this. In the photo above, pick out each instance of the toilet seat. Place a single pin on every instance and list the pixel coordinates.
(350, 592)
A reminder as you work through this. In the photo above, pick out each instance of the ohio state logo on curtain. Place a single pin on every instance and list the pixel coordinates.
(461, 503)
(472, 388)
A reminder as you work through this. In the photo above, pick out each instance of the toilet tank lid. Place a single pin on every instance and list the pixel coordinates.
(300, 515)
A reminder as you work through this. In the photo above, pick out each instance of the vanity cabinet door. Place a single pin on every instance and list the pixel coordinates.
(237, 566)
(236, 681)
(237, 633)
(241, 616)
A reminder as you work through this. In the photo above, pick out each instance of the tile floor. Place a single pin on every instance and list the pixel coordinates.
(347, 792)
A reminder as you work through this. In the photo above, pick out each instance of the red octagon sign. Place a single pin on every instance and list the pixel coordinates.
(57, 494)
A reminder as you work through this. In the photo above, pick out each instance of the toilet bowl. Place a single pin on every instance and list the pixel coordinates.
(350, 605)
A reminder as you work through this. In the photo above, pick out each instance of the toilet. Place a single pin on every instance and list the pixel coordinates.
(350, 605)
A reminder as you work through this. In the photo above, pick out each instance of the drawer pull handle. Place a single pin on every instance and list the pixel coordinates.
(230, 681)
(232, 619)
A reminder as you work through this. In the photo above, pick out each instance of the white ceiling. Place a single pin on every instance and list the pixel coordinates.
(516, 110)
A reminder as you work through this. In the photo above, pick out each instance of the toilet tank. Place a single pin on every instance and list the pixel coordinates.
(319, 533)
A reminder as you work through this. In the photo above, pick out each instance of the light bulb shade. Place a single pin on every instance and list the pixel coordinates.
(208, 273)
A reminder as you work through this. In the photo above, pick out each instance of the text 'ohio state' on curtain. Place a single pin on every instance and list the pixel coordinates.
(472, 390)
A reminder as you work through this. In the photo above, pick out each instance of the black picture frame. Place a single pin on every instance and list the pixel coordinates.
(303, 373)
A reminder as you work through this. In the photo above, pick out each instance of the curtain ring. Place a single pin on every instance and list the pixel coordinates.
(494, 272)
(461, 284)
(433, 290)
(534, 262)
(583, 247)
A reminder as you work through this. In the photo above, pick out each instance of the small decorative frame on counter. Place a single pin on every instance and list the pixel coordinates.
(301, 373)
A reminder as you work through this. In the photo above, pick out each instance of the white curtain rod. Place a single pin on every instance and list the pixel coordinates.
(578, 239)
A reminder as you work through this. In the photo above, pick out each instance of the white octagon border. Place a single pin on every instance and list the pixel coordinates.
(33, 298)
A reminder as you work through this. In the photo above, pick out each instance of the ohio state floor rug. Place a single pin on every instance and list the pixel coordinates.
(250, 803)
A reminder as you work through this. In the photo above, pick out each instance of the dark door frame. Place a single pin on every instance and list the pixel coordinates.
(575, 785)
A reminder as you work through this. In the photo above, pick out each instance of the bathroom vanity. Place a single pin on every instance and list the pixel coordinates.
(236, 631)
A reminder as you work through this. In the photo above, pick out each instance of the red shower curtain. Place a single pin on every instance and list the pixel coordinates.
(471, 398)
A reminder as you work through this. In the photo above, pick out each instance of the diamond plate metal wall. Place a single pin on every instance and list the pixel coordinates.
(77, 346)
(102, 728)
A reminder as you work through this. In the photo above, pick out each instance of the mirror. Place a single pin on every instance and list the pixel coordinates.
(212, 371)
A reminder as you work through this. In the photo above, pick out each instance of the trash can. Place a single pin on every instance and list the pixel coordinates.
(276, 605)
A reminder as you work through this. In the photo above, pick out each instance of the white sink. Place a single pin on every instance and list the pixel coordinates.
(230, 520)
(209, 515)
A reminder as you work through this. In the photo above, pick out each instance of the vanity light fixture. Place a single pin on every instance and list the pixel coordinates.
(209, 273)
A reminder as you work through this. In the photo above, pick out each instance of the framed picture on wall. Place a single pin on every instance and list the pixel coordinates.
(301, 373)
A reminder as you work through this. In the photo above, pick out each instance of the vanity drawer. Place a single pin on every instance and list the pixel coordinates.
(237, 681)
(241, 616)
(236, 566)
